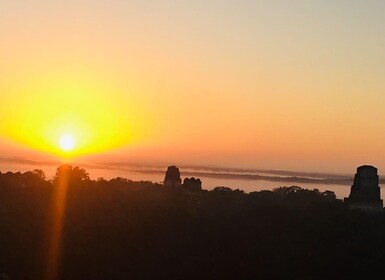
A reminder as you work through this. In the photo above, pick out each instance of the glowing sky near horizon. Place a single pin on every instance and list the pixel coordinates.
(277, 84)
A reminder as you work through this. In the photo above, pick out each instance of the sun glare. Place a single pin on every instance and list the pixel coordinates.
(67, 142)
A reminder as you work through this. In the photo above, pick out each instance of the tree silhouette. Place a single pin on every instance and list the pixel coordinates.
(73, 174)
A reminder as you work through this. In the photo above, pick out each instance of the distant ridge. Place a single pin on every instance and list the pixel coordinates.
(202, 171)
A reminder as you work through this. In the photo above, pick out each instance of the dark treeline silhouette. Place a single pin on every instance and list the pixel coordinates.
(121, 229)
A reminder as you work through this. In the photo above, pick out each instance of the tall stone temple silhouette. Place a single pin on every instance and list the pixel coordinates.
(172, 178)
(365, 191)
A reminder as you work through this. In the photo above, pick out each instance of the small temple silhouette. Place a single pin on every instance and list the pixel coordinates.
(365, 191)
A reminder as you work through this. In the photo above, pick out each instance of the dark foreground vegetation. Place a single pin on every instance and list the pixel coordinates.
(120, 229)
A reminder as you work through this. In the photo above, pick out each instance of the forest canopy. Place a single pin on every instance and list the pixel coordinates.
(119, 228)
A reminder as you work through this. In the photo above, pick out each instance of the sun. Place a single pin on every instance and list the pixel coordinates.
(67, 142)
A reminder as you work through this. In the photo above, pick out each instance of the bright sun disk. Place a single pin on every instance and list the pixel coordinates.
(67, 142)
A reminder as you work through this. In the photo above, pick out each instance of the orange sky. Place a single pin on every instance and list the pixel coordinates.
(234, 83)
